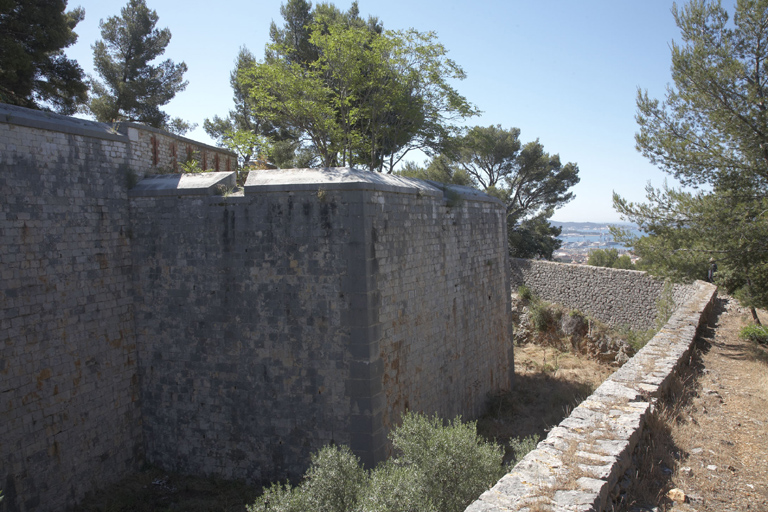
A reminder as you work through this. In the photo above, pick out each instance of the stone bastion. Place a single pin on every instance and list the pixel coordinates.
(230, 335)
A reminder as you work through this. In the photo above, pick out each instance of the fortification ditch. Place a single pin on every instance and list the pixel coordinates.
(579, 464)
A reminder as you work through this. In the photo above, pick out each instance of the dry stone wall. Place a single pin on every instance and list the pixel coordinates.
(577, 467)
(614, 296)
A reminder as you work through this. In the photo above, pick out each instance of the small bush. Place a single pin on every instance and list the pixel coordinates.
(635, 339)
(521, 446)
(542, 317)
(396, 488)
(438, 468)
(755, 333)
(525, 293)
(454, 464)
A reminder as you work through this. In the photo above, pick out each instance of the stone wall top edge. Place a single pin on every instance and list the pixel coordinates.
(122, 128)
(583, 266)
(20, 116)
(50, 121)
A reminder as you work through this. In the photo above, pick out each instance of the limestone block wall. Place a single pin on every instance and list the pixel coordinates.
(302, 312)
(442, 313)
(155, 151)
(70, 417)
(614, 296)
(69, 411)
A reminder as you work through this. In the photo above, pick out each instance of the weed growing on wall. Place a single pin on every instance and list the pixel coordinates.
(437, 467)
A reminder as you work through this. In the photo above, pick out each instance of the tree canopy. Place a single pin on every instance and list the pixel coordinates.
(531, 182)
(133, 88)
(34, 72)
(352, 92)
(710, 131)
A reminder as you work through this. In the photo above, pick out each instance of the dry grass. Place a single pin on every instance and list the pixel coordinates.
(708, 439)
(548, 385)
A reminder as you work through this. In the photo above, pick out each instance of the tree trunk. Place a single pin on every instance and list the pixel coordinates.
(754, 315)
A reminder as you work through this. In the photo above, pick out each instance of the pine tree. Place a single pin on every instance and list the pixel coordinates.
(133, 88)
(34, 72)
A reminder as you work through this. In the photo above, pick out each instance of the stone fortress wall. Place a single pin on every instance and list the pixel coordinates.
(614, 296)
(228, 335)
(581, 462)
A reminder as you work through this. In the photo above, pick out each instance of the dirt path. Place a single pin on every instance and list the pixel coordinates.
(716, 438)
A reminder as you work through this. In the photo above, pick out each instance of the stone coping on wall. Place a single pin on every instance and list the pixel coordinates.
(198, 184)
(21, 116)
(348, 178)
(122, 130)
(582, 459)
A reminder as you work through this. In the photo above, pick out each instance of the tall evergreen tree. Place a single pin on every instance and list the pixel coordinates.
(34, 72)
(133, 88)
(710, 131)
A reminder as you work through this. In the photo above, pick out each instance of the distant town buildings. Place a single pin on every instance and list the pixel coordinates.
(580, 238)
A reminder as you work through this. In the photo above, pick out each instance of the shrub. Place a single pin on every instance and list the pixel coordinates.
(521, 446)
(396, 488)
(525, 293)
(755, 333)
(454, 465)
(541, 317)
(437, 468)
(332, 483)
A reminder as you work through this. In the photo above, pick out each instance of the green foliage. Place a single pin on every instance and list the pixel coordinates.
(454, 465)
(440, 170)
(636, 339)
(609, 258)
(755, 333)
(533, 237)
(709, 131)
(542, 316)
(437, 468)
(525, 293)
(34, 72)
(192, 164)
(357, 94)
(521, 446)
(531, 183)
(396, 488)
(133, 89)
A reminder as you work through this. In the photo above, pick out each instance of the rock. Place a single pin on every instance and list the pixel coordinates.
(574, 325)
(712, 467)
(686, 471)
(696, 451)
(677, 495)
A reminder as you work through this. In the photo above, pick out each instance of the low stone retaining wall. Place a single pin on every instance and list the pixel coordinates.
(580, 462)
(613, 296)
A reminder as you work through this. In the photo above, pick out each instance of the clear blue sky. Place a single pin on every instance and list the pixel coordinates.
(562, 71)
